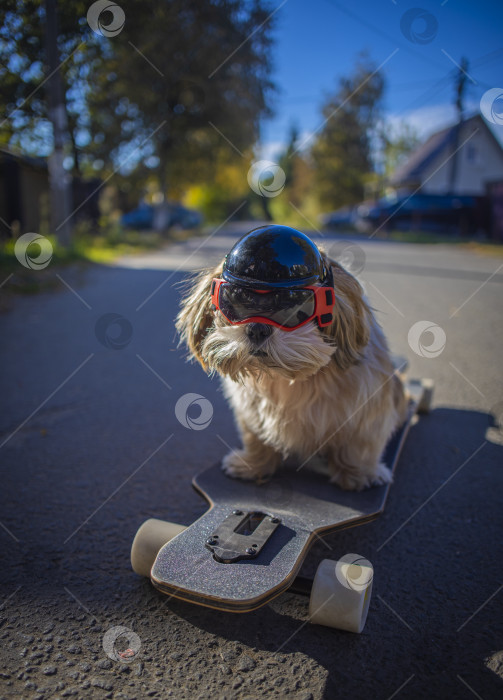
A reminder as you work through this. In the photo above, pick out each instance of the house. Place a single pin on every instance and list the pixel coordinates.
(24, 192)
(463, 159)
(453, 182)
(24, 195)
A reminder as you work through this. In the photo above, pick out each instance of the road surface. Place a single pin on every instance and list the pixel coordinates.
(91, 447)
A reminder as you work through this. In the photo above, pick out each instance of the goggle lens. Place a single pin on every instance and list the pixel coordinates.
(286, 307)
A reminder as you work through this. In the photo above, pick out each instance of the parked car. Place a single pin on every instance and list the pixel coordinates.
(428, 212)
(148, 216)
(140, 218)
(446, 213)
(183, 217)
(340, 218)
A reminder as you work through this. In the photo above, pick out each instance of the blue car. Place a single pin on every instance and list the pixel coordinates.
(142, 218)
(426, 211)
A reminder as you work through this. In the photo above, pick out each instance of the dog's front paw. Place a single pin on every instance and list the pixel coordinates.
(238, 465)
(383, 475)
(357, 480)
(348, 480)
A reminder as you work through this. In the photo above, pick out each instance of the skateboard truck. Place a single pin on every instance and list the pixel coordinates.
(241, 535)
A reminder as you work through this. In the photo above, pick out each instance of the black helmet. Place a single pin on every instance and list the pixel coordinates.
(275, 256)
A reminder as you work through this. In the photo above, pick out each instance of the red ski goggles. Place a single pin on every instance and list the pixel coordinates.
(281, 307)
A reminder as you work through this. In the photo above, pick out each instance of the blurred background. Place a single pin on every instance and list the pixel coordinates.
(124, 124)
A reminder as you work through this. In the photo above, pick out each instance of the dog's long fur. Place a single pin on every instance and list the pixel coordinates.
(331, 392)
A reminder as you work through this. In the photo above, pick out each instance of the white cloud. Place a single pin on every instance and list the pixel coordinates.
(273, 150)
(427, 120)
(270, 151)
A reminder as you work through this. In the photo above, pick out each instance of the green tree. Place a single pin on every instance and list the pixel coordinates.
(195, 86)
(397, 145)
(342, 152)
(147, 95)
(23, 72)
(298, 180)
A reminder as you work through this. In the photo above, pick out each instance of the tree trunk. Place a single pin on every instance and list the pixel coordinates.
(59, 179)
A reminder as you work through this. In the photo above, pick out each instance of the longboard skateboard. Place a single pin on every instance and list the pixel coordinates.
(250, 544)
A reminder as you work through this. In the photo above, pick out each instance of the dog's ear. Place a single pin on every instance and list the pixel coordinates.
(350, 329)
(196, 317)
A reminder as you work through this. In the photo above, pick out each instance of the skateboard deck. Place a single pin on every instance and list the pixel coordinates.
(251, 543)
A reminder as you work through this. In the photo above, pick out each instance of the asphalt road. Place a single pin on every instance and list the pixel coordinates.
(90, 447)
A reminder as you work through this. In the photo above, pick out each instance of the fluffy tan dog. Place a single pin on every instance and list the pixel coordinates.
(330, 391)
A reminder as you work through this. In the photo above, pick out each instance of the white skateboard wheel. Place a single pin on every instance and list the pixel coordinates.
(149, 539)
(341, 593)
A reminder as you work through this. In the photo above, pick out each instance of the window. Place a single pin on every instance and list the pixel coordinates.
(471, 153)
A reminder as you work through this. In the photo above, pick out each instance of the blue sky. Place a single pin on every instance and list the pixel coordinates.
(317, 42)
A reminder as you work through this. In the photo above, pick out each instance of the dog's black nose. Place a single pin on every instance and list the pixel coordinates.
(258, 332)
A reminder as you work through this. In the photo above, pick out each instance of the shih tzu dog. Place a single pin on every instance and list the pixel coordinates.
(304, 363)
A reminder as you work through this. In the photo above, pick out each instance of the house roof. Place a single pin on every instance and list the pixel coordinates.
(420, 160)
(38, 162)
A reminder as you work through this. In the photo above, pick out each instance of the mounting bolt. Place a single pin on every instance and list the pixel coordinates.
(211, 540)
(250, 550)
(237, 512)
(275, 520)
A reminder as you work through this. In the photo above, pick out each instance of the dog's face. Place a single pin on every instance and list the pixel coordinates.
(238, 351)
(254, 348)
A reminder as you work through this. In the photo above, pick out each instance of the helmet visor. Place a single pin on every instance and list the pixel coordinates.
(287, 308)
